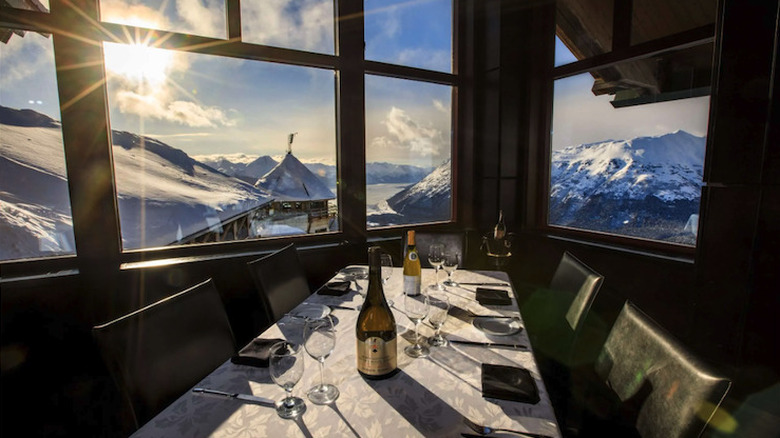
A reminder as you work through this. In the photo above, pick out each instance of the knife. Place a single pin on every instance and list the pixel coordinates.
(529, 434)
(484, 284)
(490, 344)
(342, 307)
(234, 395)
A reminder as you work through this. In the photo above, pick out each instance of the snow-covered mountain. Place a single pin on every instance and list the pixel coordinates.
(247, 171)
(646, 187)
(163, 193)
(386, 173)
(428, 200)
(290, 180)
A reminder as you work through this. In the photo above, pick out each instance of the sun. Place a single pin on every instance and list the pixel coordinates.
(138, 62)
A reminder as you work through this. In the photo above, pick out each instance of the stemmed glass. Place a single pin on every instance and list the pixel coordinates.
(450, 264)
(286, 365)
(416, 308)
(319, 340)
(435, 258)
(439, 309)
(387, 267)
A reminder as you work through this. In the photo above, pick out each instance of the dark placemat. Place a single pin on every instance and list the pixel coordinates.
(509, 383)
(487, 296)
(255, 353)
(335, 288)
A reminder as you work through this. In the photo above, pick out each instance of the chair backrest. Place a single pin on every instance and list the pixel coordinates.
(684, 392)
(158, 352)
(575, 277)
(280, 280)
(452, 241)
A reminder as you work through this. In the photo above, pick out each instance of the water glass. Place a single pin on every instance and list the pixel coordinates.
(416, 308)
(286, 366)
(436, 258)
(450, 264)
(387, 267)
(439, 309)
(319, 341)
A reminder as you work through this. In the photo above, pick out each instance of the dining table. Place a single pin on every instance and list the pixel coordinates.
(433, 396)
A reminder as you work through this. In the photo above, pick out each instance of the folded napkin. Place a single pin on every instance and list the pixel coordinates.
(256, 353)
(487, 296)
(335, 287)
(509, 383)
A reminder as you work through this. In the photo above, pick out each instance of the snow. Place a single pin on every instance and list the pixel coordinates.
(290, 180)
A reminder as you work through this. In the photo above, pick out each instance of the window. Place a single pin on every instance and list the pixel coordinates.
(292, 24)
(629, 125)
(197, 17)
(35, 213)
(409, 112)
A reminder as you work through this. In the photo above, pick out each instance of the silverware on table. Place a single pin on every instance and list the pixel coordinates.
(234, 395)
(490, 344)
(485, 430)
(484, 284)
(342, 307)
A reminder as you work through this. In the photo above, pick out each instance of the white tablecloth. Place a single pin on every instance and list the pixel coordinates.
(428, 397)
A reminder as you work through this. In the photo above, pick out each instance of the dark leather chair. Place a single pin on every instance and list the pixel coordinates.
(281, 281)
(661, 389)
(555, 320)
(452, 241)
(160, 351)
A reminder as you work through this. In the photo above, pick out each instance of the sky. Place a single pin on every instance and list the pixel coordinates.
(208, 105)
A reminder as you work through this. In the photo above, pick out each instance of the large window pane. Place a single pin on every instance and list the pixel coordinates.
(197, 17)
(411, 33)
(632, 168)
(291, 24)
(214, 149)
(35, 214)
(408, 152)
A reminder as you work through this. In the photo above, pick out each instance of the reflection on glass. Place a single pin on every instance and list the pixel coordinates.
(652, 20)
(584, 27)
(630, 161)
(210, 149)
(408, 151)
(197, 17)
(291, 24)
(410, 33)
(35, 214)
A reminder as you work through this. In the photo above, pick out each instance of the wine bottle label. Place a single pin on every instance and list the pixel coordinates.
(413, 256)
(376, 357)
(412, 285)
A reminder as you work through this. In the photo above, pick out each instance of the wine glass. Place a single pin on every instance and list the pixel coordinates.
(387, 267)
(286, 365)
(450, 264)
(416, 308)
(439, 309)
(435, 258)
(319, 340)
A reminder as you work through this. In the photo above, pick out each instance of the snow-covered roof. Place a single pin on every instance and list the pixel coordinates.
(290, 180)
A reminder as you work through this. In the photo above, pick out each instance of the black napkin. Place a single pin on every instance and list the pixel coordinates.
(336, 288)
(256, 353)
(487, 296)
(509, 383)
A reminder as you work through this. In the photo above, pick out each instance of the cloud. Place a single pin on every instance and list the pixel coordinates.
(439, 60)
(203, 19)
(308, 25)
(440, 106)
(403, 132)
(177, 111)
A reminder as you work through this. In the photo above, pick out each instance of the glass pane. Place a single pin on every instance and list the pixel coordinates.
(625, 165)
(415, 34)
(216, 149)
(291, 24)
(653, 19)
(198, 17)
(30, 5)
(35, 214)
(584, 27)
(408, 152)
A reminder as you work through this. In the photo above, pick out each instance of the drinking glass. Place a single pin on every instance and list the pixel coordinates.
(387, 267)
(286, 365)
(435, 258)
(319, 337)
(439, 309)
(450, 264)
(416, 308)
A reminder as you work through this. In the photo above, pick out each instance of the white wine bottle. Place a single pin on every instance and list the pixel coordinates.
(499, 231)
(377, 351)
(412, 270)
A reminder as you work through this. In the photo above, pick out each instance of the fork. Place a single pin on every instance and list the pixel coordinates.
(485, 430)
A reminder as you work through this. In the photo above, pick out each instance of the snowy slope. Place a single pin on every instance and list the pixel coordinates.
(642, 182)
(163, 193)
(427, 200)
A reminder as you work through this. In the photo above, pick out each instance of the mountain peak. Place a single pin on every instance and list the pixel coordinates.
(26, 118)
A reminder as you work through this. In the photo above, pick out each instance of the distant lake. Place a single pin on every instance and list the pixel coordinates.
(376, 193)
